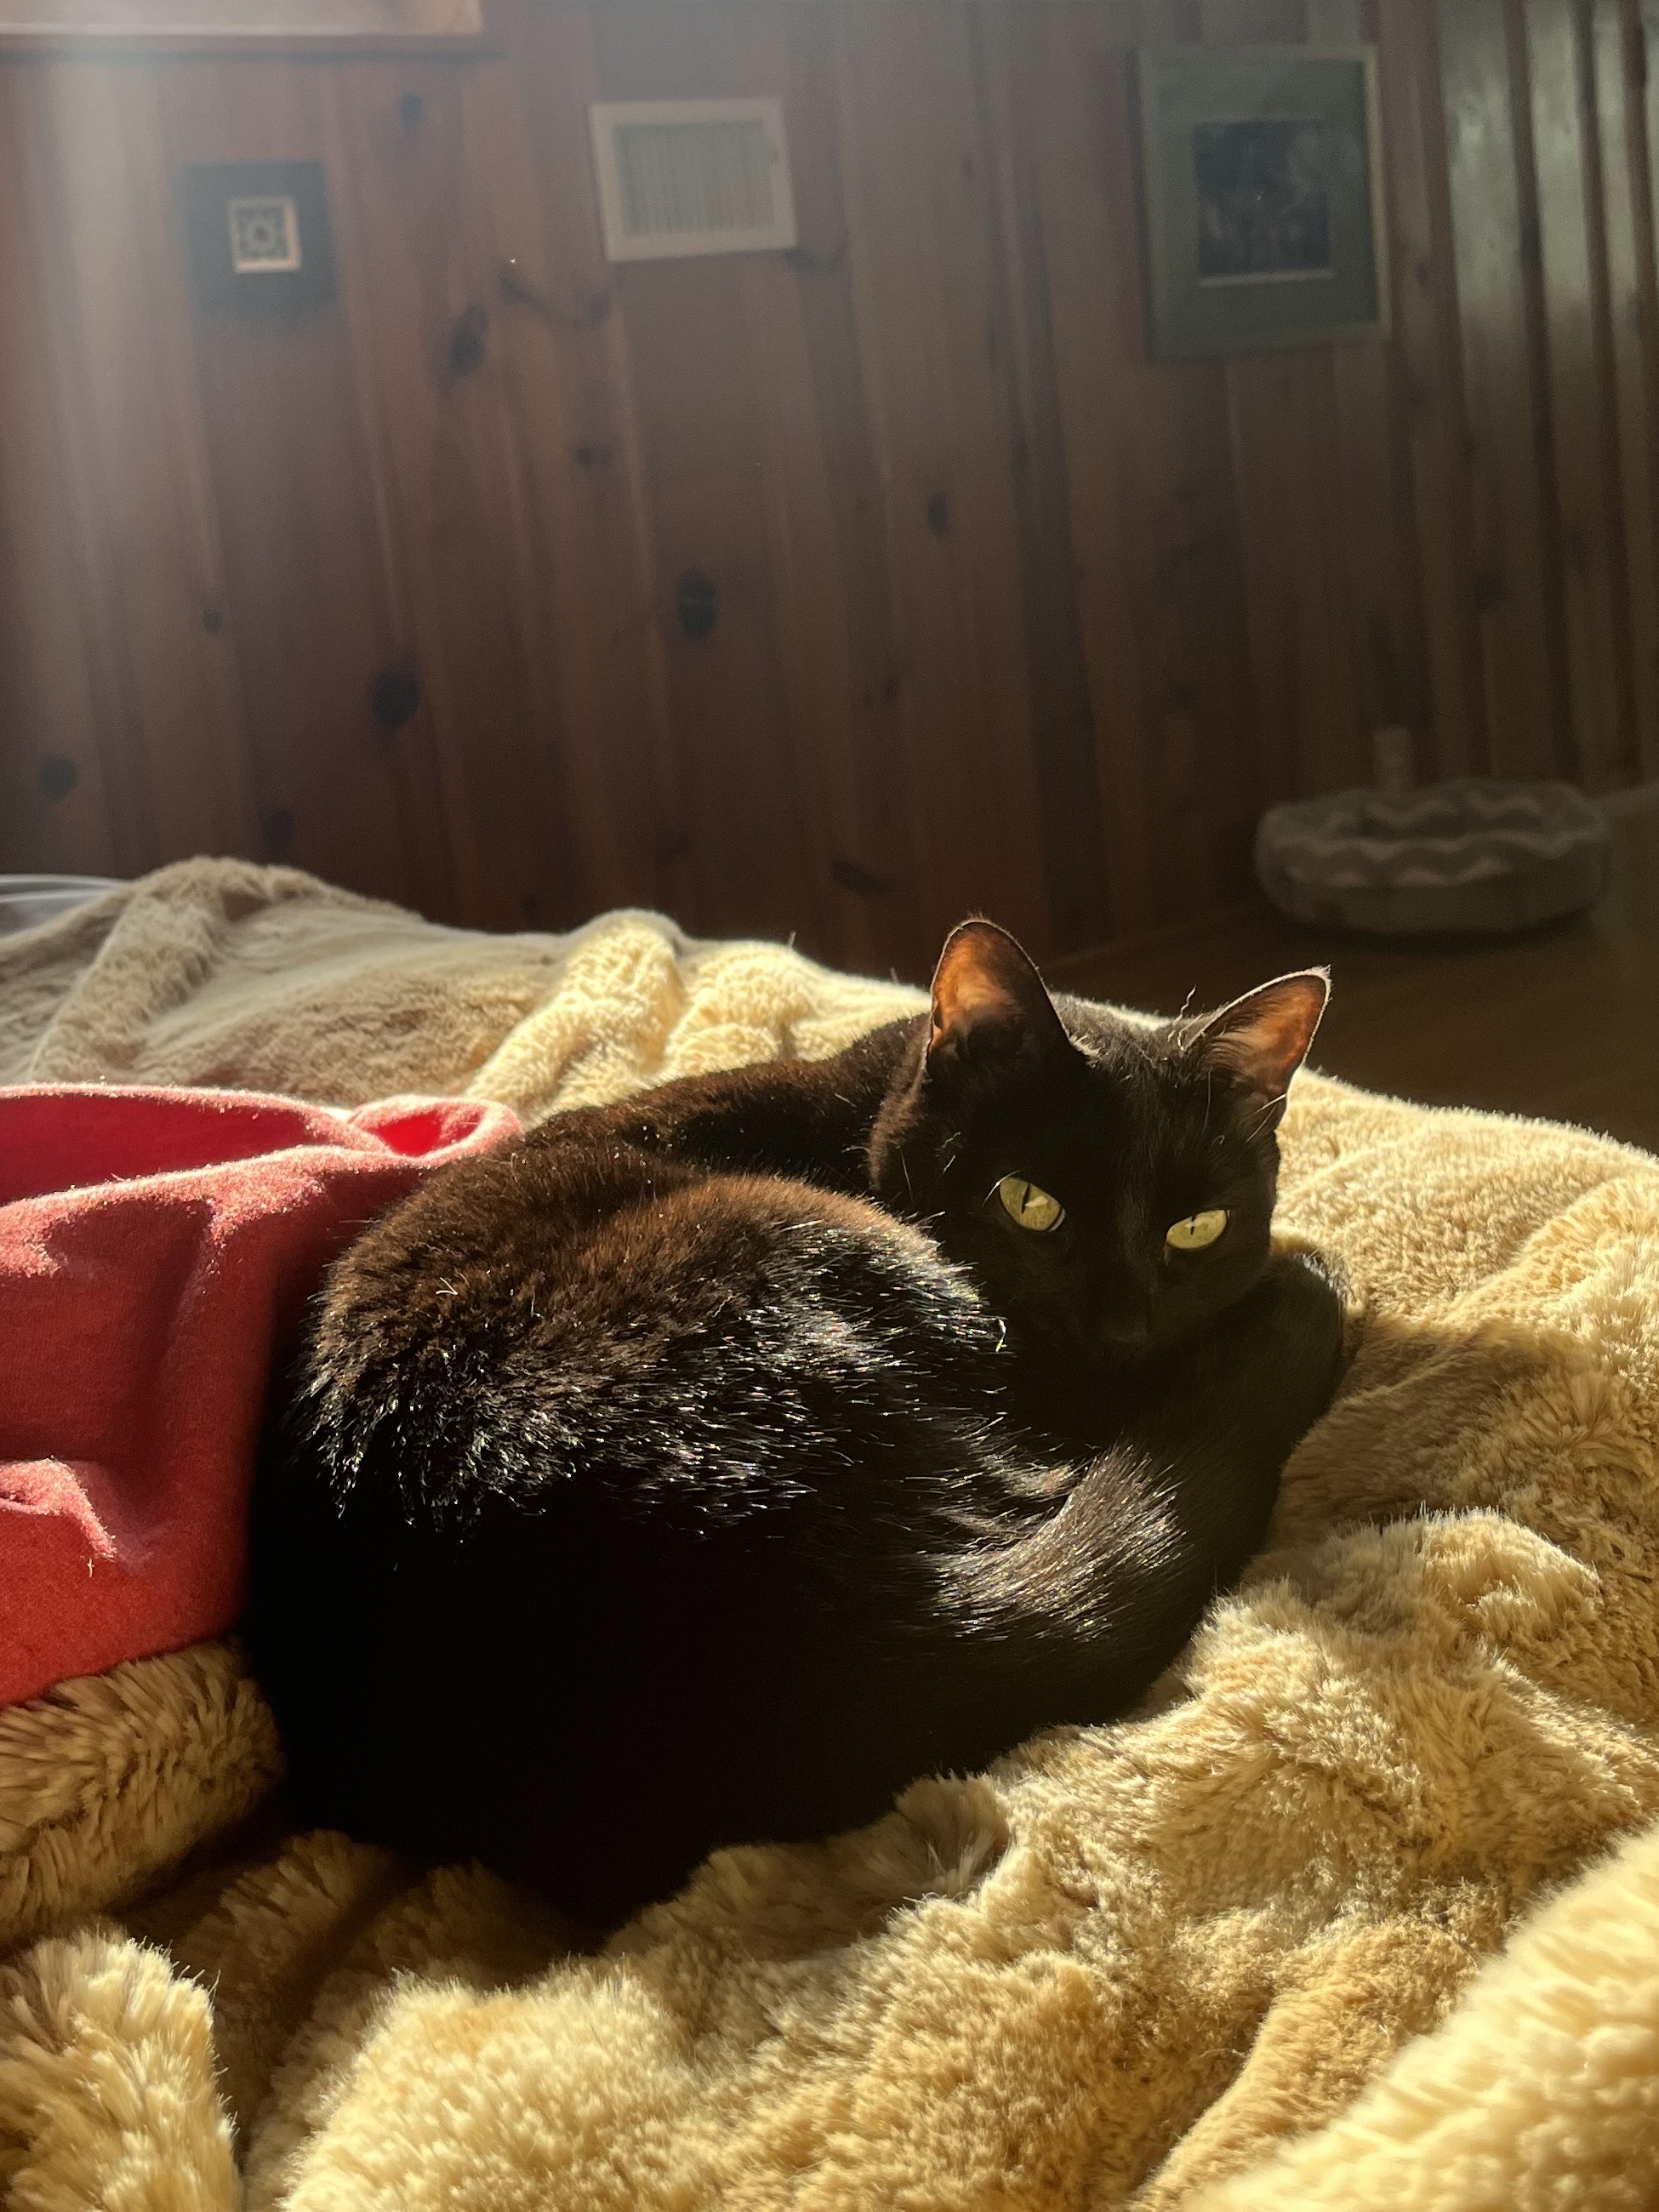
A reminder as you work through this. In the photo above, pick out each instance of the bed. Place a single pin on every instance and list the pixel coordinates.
(1362, 1909)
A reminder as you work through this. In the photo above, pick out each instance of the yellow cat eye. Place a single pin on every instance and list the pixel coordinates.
(1197, 1230)
(1031, 1207)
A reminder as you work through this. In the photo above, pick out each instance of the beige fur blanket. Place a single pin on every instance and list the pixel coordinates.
(1364, 1913)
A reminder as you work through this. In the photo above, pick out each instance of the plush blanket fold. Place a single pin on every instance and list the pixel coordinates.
(1364, 1909)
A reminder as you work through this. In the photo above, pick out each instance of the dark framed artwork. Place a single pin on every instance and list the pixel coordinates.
(1262, 189)
(260, 241)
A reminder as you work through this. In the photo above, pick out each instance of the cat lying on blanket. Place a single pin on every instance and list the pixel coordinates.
(705, 1467)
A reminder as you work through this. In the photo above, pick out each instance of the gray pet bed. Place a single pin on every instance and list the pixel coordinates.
(1467, 856)
(26, 900)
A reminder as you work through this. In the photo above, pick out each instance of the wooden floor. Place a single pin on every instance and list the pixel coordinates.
(1563, 1022)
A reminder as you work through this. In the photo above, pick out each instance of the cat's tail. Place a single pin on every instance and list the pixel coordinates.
(1115, 1577)
(1077, 1575)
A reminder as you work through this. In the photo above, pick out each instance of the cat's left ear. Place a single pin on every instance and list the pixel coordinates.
(1262, 1038)
(989, 1002)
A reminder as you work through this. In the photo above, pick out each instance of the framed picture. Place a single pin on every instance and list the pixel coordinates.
(260, 241)
(1262, 185)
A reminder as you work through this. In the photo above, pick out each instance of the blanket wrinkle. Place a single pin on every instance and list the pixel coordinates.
(1362, 1909)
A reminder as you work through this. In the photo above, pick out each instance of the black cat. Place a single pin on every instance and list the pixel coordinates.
(707, 1468)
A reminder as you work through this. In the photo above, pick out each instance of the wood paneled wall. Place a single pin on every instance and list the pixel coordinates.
(1009, 617)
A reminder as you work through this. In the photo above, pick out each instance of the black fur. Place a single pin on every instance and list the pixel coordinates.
(706, 1468)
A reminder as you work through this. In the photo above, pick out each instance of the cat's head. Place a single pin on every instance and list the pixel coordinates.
(1110, 1187)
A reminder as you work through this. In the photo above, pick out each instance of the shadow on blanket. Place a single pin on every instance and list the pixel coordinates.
(1131, 1963)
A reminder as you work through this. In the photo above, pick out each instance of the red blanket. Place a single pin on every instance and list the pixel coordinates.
(156, 1248)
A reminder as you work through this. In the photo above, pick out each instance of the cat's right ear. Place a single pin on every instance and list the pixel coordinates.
(989, 1002)
(1262, 1038)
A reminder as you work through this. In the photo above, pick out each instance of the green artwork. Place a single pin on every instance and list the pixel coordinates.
(1262, 197)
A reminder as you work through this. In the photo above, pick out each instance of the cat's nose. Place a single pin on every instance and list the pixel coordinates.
(1122, 1311)
(1128, 1326)
(1127, 1335)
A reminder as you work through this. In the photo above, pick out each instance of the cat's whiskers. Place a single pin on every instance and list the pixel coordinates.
(1144, 1046)
(1269, 1111)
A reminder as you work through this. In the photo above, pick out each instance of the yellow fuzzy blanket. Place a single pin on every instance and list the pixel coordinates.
(1364, 1911)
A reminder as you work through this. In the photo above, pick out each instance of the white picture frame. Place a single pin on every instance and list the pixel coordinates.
(626, 238)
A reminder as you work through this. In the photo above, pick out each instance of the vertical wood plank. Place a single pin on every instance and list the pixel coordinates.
(576, 482)
(695, 334)
(433, 412)
(834, 465)
(1061, 718)
(1644, 34)
(1253, 22)
(1633, 327)
(866, 845)
(58, 811)
(1429, 387)
(1085, 187)
(308, 594)
(1369, 384)
(1154, 531)
(1581, 394)
(1282, 413)
(1517, 622)
(125, 375)
(1284, 424)
(915, 177)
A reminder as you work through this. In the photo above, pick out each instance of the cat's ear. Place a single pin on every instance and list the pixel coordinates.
(988, 1001)
(1262, 1038)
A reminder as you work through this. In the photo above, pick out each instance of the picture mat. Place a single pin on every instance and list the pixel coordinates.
(1332, 88)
